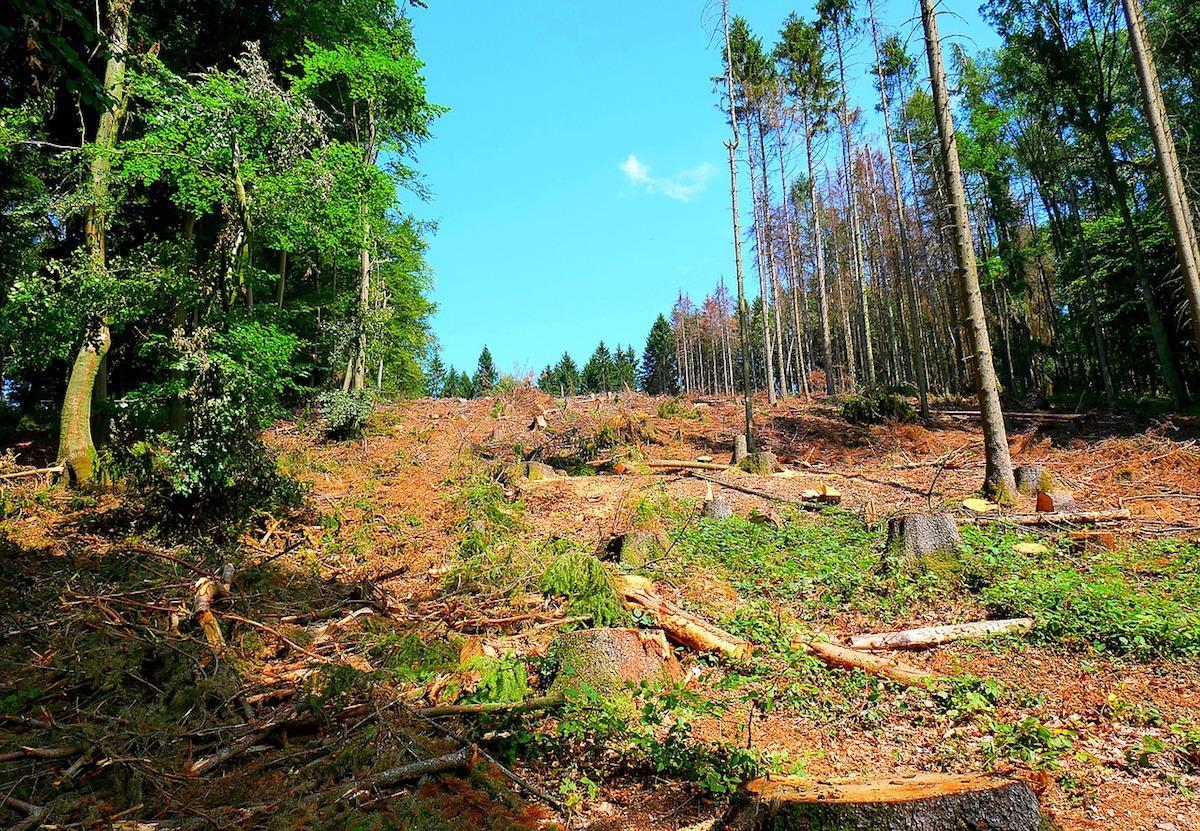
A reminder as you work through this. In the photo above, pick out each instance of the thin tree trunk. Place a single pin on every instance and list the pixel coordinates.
(1178, 210)
(760, 259)
(819, 256)
(769, 239)
(998, 475)
(743, 308)
(282, 281)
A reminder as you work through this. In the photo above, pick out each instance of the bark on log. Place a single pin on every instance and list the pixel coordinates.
(687, 464)
(1066, 518)
(684, 629)
(461, 759)
(925, 637)
(892, 668)
(924, 801)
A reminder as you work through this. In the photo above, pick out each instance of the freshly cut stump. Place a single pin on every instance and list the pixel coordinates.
(761, 463)
(1032, 478)
(607, 660)
(920, 802)
(1055, 502)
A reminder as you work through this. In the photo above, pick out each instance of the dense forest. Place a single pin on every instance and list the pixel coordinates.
(203, 222)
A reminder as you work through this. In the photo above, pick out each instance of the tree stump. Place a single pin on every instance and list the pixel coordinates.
(739, 448)
(608, 660)
(717, 508)
(535, 471)
(760, 463)
(634, 548)
(1032, 479)
(926, 542)
(1055, 502)
(919, 802)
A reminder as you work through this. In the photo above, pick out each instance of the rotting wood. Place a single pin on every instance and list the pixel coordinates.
(928, 636)
(682, 628)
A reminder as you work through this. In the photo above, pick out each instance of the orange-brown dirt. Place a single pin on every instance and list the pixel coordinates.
(384, 524)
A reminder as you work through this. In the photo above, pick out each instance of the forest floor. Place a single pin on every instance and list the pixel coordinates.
(412, 576)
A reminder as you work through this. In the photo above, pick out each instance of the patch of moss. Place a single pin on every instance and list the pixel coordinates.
(589, 589)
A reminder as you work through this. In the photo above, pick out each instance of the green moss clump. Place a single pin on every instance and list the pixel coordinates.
(589, 589)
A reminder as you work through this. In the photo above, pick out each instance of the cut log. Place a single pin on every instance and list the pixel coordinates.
(1055, 502)
(687, 464)
(461, 759)
(610, 659)
(1054, 519)
(33, 472)
(207, 591)
(682, 628)
(928, 636)
(925, 801)
(843, 657)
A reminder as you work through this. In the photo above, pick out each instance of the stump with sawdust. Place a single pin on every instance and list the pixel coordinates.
(610, 660)
(918, 802)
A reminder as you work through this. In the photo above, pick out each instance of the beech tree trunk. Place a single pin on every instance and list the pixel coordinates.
(1178, 210)
(76, 450)
(998, 475)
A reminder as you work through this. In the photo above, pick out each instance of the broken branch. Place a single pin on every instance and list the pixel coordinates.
(925, 637)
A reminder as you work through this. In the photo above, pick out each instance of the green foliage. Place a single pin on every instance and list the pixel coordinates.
(345, 413)
(1124, 602)
(486, 374)
(676, 408)
(1028, 740)
(660, 368)
(875, 406)
(588, 587)
(499, 679)
(561, 379)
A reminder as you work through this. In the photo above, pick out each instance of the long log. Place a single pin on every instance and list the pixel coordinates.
(1053, 519)
(682, 628)
(461, 759)
(925, 637)
(928, 801)
(32, 472)
(840, 656)
(543, 703)
(684, 463)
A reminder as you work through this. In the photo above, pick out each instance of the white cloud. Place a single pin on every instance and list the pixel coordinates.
(682, 186)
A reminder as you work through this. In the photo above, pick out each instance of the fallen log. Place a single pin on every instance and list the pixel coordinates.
(925, 637)
(543, 703)
(1072, 518)
(461, 759)
(682, 628)
(891, 668)
(687, 464)
(32, 472)
(928, 801)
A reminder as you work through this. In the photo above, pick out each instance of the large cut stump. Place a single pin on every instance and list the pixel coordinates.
(761, 463)
(920, 802)
(1031, 479)
(1055, 502)
(923, 542)
(609, 660)
(634, 548)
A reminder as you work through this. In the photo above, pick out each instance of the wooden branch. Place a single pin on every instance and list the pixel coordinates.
(39, 753)
(1052, 519)
(461, 759)
(543, 703)
(684, 463)
(925, 637)
(846, 658)
(34, 472)
(813, 504)
(682, 628)
(207, 591)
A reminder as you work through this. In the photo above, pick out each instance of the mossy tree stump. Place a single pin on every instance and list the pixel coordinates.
(923, 542)
(1032, 479)
(760, 463)
(609, 660)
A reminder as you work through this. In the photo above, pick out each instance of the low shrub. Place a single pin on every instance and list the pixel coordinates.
(875, 406)
(345, 413)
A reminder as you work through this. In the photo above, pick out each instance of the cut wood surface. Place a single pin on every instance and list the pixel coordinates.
(925, 637)
(925, 801)
(32, 472)
(682, 628)
(844, 657)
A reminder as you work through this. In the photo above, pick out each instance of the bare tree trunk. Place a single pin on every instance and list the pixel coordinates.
(998, 475)
(1178, 210)
(763, 292)
(793, 268)
(743, 309)
(856, 243)
(819, 256)
(769, 239)
(76, 450)
(906, 266)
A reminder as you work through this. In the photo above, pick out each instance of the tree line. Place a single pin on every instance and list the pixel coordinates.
(1068, 140)
(201, 217)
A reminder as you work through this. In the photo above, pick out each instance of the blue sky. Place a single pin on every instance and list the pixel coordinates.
(580, 180)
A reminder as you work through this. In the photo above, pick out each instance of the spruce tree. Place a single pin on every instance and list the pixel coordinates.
(566, 376)
(660, 368)
(485, 374)
(435, 376)
(599, 373)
